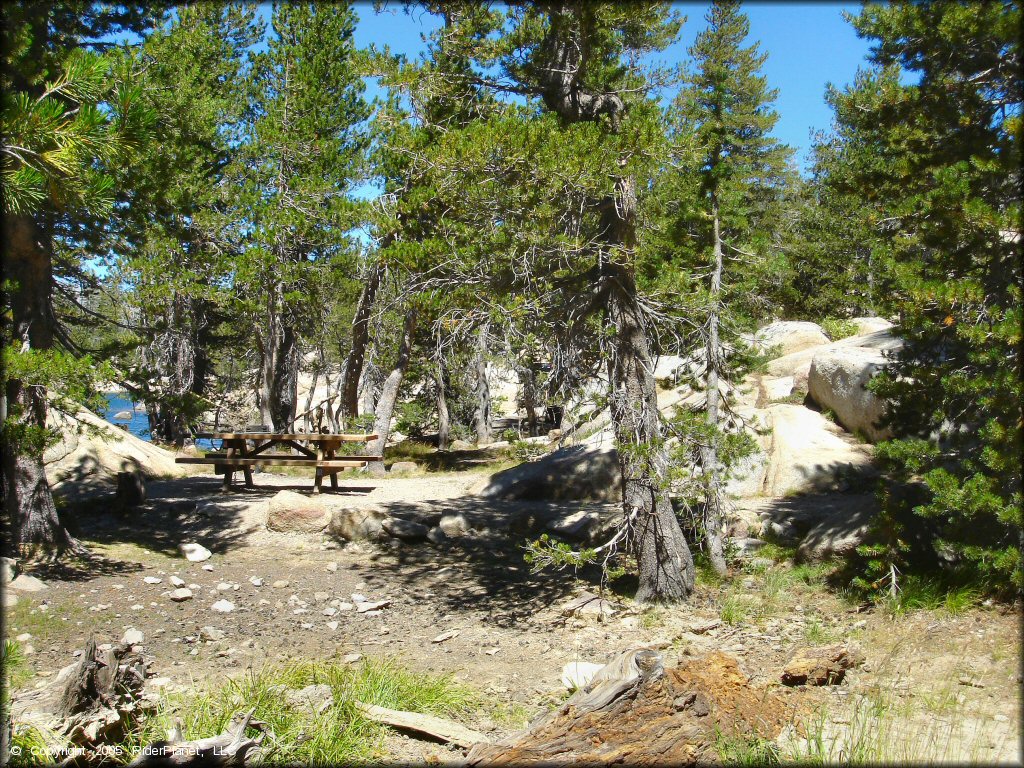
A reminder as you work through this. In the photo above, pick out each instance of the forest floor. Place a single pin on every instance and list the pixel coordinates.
(939, 684)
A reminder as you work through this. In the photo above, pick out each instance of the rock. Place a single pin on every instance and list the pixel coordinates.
(404, 466)
(223, 606)
(180, 595)
(587, 604)
(585, 525)
(810, 453)
(208, 567)
(821, 666)
(437, 536)
(842, 531)
(133, 636)
(578, 674)
(866, 325)
(212, 634)
(453, 524)
(93, 451)
(281, 584)
(798, 364)
(332, 566)
(461, 445)
(316, 697)
(406, 530)
(225, 586)
(8, 569)
(195, 553)
(358, 524)
(351, 658)
(321, 597)
(291, 511)
(332, 625)
(124, 416)
(256, 581)
(24, 637)
(772, 389)
(838, 381)
(746, 546)
(790, 336)
(176, 581)
(446, 635)
(25, 583)
(152, 580)
(577, 473)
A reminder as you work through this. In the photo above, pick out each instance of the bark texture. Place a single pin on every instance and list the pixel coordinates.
(27, 498)
(389, 392)
(279, 365)
(635, 712)
(360, 340)
(482, 392)
(444, 423)
(713, 513)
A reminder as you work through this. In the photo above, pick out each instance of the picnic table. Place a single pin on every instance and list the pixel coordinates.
(243, 450)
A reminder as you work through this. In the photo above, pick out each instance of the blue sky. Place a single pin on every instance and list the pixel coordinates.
(808, 45)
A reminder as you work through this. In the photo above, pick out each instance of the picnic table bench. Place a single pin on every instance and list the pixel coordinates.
(319, 452)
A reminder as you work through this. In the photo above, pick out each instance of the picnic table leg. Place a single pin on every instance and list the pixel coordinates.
(319, 477)
(334, 474)
(229, 453)
(247, 471)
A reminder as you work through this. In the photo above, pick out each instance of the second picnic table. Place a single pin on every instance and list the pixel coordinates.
(320, 451)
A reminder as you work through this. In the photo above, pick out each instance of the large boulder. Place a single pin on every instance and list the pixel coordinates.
(580, 473)
(838, 382)
(92, 449)
(358, 524)
(867, 325)
(798, 364)
(790, 336)
(809, 453)
(291, 511)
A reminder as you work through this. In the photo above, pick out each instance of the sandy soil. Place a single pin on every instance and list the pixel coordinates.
(512, 639)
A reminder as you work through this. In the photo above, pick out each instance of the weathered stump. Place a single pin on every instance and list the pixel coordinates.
(635, 712)
(131, 489)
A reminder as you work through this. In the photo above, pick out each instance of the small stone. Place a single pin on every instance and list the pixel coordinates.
(492, 651)
(224, 586)
(332, 625)
(358, 598)
(330, 611)
(223, 606)
(345, 606)
(152, 580)
(138, 607)
(280, 584)
(177, 581)
(447, 635)
(28, 650)
(208, 567)
(133, 636)
(321, 597)
(25, 583)
(256, 581)
(332, 566)
(195, 553)
(24, 637)
(183, 593)
(351, 658)
(212, 634)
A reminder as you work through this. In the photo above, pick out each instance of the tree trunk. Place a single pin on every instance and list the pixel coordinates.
(663, 557)
(709, 453)
(482, 415)
(27, 499)
(360, 339)
(389, 393)
(279, 366)
(443, 416)
(528, 382)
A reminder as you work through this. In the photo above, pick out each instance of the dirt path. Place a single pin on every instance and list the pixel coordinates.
(288, 590)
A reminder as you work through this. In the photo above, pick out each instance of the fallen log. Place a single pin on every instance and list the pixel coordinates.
(636, 712)
(230, 748)
(436, 727)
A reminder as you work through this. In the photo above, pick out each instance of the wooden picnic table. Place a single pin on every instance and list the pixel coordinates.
(314, 449)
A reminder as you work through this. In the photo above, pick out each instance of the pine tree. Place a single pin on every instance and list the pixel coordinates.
(304, 154)
(68, 129)
(930, 134)
(723, 118)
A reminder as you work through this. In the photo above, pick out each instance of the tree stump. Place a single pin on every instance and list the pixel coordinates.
(635, 712)
(131, 489)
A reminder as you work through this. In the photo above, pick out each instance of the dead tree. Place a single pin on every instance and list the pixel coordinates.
(389, 392)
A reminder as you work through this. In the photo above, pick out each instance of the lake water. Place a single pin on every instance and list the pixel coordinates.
(138, 425)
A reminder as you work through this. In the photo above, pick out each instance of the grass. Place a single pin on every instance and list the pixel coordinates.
(930, 594)
(745, 750)
(28, 744)
(652, 618)
(836, 328)
(297, 733)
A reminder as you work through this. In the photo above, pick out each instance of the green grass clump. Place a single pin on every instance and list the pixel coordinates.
(930, 594)
(836, 328)
(296, 733)
(745, 750)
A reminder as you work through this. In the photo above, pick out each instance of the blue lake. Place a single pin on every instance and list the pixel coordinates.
(138, 425)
